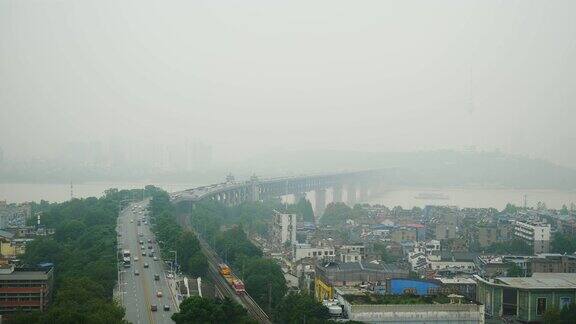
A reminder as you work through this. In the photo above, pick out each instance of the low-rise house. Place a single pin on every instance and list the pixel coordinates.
(556, 263)
(351, 252)
(355, 273)
(360, 305)
(526, 299)
(453, 266)
(465, 286)
(304, 250)
(403, 234)
(491, 266)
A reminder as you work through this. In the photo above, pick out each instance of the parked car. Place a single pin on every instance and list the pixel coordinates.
(166, 308)
(153, 307)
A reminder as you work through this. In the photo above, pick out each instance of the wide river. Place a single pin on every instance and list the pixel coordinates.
(405, 197)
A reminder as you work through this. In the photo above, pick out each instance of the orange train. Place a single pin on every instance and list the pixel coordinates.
(234, 282)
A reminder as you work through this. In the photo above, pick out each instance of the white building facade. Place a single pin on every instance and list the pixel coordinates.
(284, 227)
(301, 251)
(536, 234)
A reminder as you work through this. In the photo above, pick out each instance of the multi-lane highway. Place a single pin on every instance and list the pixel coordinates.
(140, 291)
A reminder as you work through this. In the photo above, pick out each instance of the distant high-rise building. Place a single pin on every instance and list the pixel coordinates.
(197, 155)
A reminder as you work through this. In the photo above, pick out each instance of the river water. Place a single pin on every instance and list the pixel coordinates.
(475, 197)
(405, 197)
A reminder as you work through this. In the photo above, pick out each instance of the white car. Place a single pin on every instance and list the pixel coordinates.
(136, 259)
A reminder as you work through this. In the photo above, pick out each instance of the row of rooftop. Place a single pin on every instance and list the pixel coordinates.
(440, 248)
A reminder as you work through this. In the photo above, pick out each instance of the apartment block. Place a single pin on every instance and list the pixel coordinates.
(25, 289)
(536, 234)
(284, 228)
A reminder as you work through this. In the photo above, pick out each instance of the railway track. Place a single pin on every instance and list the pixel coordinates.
(253, 309)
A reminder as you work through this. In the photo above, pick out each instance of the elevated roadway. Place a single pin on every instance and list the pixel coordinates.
(356, 184)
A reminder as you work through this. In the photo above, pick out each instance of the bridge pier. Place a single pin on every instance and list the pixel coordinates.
(298, 196)
(320, 203)
(254, 192)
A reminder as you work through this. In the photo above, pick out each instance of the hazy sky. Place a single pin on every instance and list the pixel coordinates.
(256, 75)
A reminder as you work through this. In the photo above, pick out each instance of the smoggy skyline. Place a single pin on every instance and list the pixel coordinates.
(254, 76)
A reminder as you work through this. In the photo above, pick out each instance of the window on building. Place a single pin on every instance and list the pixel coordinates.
(541, 306)
(565, 301)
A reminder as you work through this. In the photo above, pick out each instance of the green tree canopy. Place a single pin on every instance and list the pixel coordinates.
(304, 208)
(510, 209)
(514, 270)
(563, 243)
(514, 246)
(336, 214)
(565, 316)
(203, 310)
(83, 250)
(172, 237)
(264, 279)
(300, 308)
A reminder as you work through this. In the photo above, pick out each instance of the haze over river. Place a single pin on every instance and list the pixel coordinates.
(475, 197)
(405, 197)
(55, 192)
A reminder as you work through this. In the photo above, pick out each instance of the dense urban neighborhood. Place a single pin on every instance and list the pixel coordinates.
(276, 261)
(287, 162)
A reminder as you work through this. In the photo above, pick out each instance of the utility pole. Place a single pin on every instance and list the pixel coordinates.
(269, 296)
